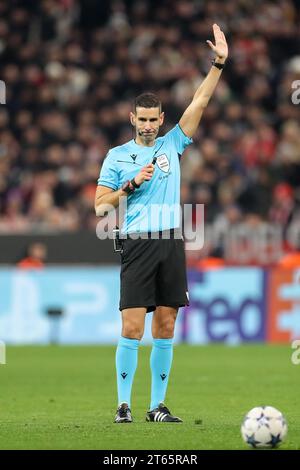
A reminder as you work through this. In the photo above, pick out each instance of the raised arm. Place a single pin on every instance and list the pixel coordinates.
(193, 113)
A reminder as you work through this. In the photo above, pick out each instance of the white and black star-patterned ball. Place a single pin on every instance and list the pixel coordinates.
(264, 426)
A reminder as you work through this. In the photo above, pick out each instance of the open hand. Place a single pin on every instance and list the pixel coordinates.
(220, 47)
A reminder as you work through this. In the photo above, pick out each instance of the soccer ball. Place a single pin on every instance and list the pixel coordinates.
(264, 426)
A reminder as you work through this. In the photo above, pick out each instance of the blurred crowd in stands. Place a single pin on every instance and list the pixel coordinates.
(72, 69)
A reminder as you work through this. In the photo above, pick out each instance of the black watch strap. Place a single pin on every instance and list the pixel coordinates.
(218, 65)
(134, 184)
(128, 187)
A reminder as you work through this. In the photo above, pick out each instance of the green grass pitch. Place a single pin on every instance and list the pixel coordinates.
(56, 397)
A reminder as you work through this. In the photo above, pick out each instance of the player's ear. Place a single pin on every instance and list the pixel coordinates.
(161, 118)
(132, 118)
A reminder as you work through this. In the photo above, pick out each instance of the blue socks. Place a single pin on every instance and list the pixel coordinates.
(126, 363)
(160, 363)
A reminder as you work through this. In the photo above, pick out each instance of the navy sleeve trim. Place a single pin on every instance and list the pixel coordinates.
(108, 185)
(190, 138)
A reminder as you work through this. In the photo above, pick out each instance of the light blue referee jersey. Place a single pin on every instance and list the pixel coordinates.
(155, 206)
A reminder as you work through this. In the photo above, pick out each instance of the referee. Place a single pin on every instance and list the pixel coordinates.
(146, 171)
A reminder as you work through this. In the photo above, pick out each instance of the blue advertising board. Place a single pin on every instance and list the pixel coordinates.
(226, 305)
(88, 298)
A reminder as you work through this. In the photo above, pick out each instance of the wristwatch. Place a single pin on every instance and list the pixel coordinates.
(217, 64)
(134, 184)
(128, 187)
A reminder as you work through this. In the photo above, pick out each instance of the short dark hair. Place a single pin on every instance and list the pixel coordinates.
(147, 100)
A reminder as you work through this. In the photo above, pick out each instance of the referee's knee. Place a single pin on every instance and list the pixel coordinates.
(132, 332)
(164, 330)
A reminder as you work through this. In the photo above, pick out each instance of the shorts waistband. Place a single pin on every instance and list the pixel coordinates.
(172, 233)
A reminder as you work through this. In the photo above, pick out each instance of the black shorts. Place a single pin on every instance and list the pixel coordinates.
(153, 273)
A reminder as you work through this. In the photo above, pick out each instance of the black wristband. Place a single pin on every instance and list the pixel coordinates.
(217, 64)
(134, 184)
(128, 187)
